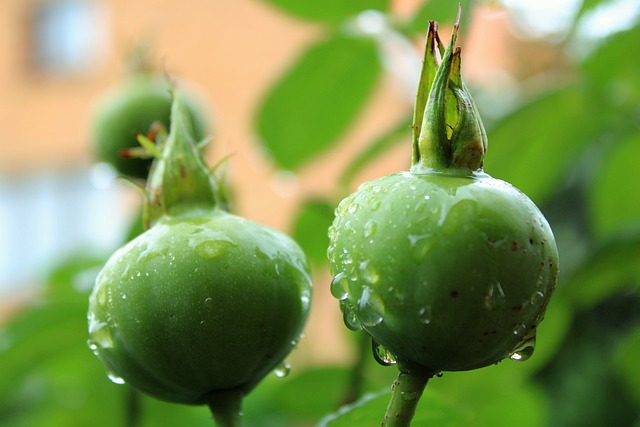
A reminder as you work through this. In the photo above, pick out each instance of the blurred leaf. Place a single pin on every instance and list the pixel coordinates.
(373, 150)
(443, 12)
(581, 384)
(312, 104)
(534, 147)
(75, 277)
(328, 11)
(310, 229)
(370, 410)
(626, 364)
(609, 269)
(297, 397)
(49, 372)
(612, 72)
(479, 398)
(614, 196)
(589, 5)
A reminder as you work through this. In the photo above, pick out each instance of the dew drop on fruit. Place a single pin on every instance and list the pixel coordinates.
(102, 296)
(93, 346)
(524, 350)
(420, 207)
(340, 286)
(212, 248)
(370, 308)
(520, 330)
(382, 355)
(369, 272)
(370, 228)
(208, 302)
(349, 317)
(494, 297)
(282, 370)
(100, 332)
(420, 245)
(536, 297)
(115, 378)
(425, 315)
(375, 203)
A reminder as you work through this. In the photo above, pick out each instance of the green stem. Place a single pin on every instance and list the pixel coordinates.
(356, 379)
(226, 407)
(405, 395)
(133, 410)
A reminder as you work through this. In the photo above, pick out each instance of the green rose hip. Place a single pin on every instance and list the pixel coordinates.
(447, 268)
(203, 304)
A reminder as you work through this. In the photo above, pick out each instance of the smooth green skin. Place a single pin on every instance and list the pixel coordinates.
(132, 108)
(424, 252)
(199, 304)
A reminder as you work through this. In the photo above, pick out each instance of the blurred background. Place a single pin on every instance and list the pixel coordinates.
(556, 83)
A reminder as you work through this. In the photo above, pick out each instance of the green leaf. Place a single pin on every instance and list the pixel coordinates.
(610, 268)
(328, 11)
(612, 74)
(626, 364)
(310, 229)
(315, 102)
(589, 5)
(614, 197)
(535, 146)
(433, 409)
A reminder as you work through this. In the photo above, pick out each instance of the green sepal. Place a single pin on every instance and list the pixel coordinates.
(450, 133)
(179, 180)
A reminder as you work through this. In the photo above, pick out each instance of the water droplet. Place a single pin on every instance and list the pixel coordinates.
(123, 295)
(536, 297)
(370, 228)
(282, 370)
(420, 245)
(425, 314)
(212, 248)
(370, 308)
(495, 296)
(375, 203)
(382, 355)
(524, 350)
(369, 273)
(421, 206)
(520, 329)
(99, 332)
(102, 296)
(409, 395)
(352, 208)
(340, 286)
(115, 378)
(93, 346)
(208, 302)
(349, 317)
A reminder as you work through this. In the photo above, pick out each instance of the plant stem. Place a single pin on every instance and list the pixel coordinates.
(356, 379)
(133, 410)
(226, 407)
(405, 395)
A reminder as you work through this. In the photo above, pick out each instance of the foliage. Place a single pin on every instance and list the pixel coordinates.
(571, 147)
